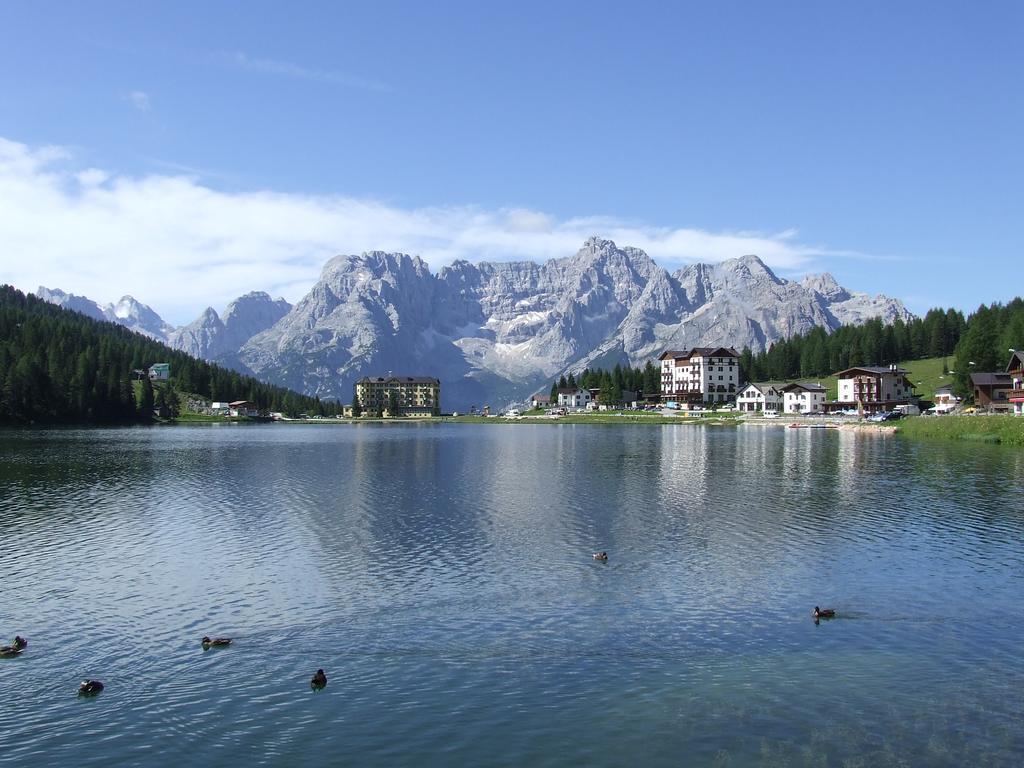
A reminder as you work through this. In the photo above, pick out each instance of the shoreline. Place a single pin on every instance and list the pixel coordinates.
(1002, 429)
(600, 419)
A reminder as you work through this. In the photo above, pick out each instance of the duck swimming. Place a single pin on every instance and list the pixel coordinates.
(12, 650)
(89, 687)
(216, 642)
(824, 613)
(319, 680)
(603, 556)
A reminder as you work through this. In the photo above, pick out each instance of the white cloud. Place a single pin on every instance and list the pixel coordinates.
(92, 177)
(179, 245)
(293, 70)
(139, 100)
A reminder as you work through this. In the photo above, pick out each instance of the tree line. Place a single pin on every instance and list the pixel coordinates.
(58, 366)
(820, 353)
(992, 331)
(611, 384)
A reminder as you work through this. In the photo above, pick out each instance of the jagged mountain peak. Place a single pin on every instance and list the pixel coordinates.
(253, 296)
(132, 313)
(218, 339)
(128, 312)
(256, 301)
(748, 269)
(750, 263)
(344, 273)
(825, 285)
(70, 301)
(53, 295)
(127, 306)
(596, 250)
(382, 260)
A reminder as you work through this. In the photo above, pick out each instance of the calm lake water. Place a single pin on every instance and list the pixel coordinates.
(442, 576)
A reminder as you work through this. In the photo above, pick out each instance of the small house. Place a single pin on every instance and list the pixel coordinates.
(1015, 368)
(992, 391)
(160, 371)
(573, 398)
(243, 408)
(944, 400)
(540, 401)
(803, 397)
(761, 396)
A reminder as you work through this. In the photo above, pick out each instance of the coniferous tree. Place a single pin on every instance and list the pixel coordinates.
(147, 401)
(610, 393)
(172, 400)
(618, 379)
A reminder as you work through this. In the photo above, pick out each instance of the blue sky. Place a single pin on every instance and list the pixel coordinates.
(186, 152)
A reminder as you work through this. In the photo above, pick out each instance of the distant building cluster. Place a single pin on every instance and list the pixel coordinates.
(700, 377)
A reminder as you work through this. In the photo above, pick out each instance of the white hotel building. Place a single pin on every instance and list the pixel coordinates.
(699, 375)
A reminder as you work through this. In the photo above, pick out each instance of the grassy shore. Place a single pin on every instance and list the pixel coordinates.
(1008, 430)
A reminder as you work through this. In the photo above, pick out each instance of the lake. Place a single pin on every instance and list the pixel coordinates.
(442, 577)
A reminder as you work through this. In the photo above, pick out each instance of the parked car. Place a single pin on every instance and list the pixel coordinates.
(886, 416)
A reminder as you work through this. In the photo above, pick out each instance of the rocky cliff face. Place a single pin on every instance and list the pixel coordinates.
(202, 337)
(139, 317)
(852, 308)
(70, 301)
(213, 338)
(497, 332)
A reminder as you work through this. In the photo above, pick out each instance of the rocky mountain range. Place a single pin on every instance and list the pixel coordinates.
(497, 332)
(127, 312)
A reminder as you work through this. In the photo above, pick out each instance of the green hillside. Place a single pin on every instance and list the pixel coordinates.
(927, 376)
(58, 366)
